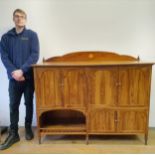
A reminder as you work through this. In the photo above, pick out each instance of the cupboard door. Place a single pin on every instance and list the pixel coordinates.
(132, 121)
(74, 88)
(101, 120)
(48, 88)
(134, 86)
(102, 86)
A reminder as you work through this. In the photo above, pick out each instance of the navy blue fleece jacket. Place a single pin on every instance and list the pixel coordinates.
(19, 51)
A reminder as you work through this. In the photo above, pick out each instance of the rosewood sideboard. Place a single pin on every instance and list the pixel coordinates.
(92, 93)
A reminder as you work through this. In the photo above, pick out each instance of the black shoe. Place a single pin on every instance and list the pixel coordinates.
(12, 138)
(28, 132)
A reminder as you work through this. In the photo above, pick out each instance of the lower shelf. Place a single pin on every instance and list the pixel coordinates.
(64, 128)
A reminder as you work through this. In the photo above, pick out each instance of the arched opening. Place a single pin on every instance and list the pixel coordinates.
(63, 119)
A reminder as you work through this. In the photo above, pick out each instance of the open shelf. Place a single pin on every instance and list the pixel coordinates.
(63, 121)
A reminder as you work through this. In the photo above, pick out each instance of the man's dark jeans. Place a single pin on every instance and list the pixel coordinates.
(16, 89)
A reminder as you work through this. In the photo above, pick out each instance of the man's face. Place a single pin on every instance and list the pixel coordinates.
(19, 19)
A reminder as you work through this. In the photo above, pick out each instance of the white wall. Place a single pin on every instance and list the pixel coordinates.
(124, 26)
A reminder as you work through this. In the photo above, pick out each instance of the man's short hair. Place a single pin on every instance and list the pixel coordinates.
(20, 11)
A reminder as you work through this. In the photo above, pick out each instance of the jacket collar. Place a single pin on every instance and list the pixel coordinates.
(13, 32)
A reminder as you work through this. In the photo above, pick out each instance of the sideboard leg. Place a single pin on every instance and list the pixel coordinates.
(87, 139)
(146, 138)
(39, 138)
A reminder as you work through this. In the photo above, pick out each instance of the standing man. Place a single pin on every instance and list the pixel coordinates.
(19, 50)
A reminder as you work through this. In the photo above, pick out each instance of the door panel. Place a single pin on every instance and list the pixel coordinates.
(134, 86)
(101, 120)
(74, 88)
(132, 121)
(48, 87)
(102, 86)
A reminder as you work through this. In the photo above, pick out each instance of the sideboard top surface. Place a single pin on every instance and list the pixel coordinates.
(107, 63)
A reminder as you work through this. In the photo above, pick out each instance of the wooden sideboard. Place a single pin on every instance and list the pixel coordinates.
(92, 93)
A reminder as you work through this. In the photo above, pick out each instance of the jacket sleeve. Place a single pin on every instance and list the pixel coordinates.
(33, 58)
(5, 56)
